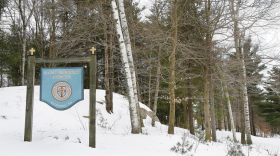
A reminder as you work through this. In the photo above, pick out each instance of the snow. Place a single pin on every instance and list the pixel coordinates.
(59, 133)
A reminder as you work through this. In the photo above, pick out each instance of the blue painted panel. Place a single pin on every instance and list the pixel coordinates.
(61, 88)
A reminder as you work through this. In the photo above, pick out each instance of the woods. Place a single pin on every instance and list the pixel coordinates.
(197, 64)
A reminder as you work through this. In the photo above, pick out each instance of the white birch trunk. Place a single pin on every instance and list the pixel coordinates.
(239, 51)
(134, 113)
(245, 100)
(157, 89)
(128, 48)
(230, 113)
(23, 56)
(21, 5)
(127, 42)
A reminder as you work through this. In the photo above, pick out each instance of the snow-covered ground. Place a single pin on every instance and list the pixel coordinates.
(65, 133)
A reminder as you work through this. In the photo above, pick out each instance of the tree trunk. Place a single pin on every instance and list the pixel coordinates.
(206, 111)
(116, 81)
(106, 78)
(186, 115)
(1, 85)
(157, 88)
(157, 80)
(24, 40)
(21, 6)
(133, 108)
(245, 99)
(239, 51)
(202, 119)
(172, 93)
(242, 121)
(222, 125)
(209, 53)
(127, 42)
(150, 81)
(111, 65)
(190, 110)
(226, 121)
(172, 82)
(190, 105)
(253, 132)
(230, 114)
(52, 31)
(213, 118)
(23, 56)
(108, 98)
(229, 122)
(138, 87)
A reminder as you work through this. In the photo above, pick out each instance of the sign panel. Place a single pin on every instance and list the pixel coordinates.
(61, 88)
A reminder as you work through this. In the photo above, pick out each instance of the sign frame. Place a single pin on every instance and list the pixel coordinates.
(30, 92)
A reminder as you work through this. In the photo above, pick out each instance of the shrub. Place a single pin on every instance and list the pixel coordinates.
(183, 147)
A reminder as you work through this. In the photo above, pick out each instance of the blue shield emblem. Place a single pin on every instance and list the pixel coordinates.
(61, 91)
(61, 88)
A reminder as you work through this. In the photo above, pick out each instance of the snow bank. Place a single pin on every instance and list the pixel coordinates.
(58, 133)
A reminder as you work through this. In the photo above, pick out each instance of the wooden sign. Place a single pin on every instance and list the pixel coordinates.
(60, 90)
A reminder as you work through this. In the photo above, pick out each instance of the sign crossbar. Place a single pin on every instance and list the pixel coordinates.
(63, 60)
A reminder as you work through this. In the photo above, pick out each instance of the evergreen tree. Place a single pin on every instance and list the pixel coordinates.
(253, 69)
(269, 107)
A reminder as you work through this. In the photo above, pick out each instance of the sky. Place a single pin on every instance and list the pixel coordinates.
(148, 4)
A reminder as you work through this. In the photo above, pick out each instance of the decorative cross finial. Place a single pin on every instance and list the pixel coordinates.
(92, 50)
(32, 51)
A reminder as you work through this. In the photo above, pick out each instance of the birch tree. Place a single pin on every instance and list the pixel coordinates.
(157, 89)
(231, 120)
(239, 51)
(230, 113)
(134, 113)
(127, 43)
(25, 9)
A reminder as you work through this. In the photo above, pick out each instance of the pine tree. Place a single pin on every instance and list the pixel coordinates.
(253, 69)
(269, 107)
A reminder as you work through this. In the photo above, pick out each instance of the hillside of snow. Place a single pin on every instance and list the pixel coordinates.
(59, 133)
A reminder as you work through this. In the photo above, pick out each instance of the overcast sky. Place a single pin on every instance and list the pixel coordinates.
(147, 4)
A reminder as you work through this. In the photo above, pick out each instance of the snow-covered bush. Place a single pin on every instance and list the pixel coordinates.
(102, 122)
(200, 136)
(234, 148)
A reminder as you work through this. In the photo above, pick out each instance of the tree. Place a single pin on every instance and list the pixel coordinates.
(129, 55)
(172, 60)
(226, 92)
(25, 10)
(253, 68)
(108, 42)
(214, 20)
(134, 109)
(269, 106)
(155, 19)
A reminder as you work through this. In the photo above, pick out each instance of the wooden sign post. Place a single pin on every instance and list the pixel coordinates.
(92, 99)
(30, 92)
(29, 97)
